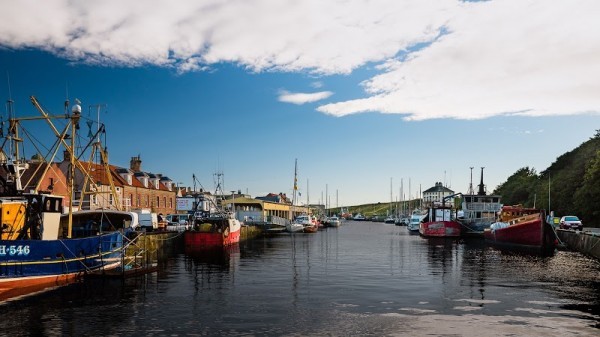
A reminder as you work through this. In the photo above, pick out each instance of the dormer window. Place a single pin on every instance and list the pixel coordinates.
(127, 176)
(145, 181)
(156, 184)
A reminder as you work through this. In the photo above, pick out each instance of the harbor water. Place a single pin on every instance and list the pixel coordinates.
(363, 278)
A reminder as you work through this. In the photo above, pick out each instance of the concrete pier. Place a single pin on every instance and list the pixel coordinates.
(586, 242)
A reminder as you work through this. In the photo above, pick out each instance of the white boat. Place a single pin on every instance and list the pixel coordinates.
(359, 217)
(333, 221)
(478, 210)
(415, 220)
(299, 223)
(293, 227)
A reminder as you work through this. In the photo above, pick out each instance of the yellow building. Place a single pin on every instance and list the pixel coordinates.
(254, 210)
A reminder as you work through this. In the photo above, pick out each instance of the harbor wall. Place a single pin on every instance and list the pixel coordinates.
(587, 243)
(250, 232)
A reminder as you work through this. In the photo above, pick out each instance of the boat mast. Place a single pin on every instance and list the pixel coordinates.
(14, 163)
(391, 197)
(471, 191)
(295, 189)
(74, 123)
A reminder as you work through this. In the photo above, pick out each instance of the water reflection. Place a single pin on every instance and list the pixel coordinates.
(358, 279)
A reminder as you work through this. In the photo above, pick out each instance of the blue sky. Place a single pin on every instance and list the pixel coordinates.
(421, 90)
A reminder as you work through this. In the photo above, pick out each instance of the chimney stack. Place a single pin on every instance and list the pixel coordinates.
(135, 164)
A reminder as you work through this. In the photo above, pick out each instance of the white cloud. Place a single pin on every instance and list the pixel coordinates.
(509, 57)
(317, 84)
(302, 98)
(499, 58)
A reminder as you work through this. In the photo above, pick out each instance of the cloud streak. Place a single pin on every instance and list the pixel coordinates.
(435, 59)
(303, 98)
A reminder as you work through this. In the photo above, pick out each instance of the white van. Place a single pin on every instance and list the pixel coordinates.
(147, 219)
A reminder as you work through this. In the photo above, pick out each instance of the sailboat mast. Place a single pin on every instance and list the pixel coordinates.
(327, 198)
(295, 189)
(391, 198)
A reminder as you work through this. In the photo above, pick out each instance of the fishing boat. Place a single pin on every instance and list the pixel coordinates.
(478, 210)
(440, 222)
(522, 230)
(214, 226)
(37, 250)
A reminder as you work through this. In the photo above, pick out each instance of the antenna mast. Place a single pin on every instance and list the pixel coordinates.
(471, 191)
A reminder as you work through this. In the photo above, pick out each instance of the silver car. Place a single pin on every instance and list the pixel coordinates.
(570, 222)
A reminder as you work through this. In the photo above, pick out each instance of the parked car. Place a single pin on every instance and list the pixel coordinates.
(570, 222)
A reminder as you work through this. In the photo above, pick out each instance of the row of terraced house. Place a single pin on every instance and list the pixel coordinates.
(133, 188)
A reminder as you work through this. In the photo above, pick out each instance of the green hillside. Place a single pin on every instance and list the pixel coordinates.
(570, 186)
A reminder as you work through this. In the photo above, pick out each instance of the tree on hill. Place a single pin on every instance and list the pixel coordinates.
(571, 185)
(519, 188)
(587, 197)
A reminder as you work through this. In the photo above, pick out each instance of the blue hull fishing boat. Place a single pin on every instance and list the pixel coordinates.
(38, 250)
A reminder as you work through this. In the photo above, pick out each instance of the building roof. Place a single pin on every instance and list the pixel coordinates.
(439, 187)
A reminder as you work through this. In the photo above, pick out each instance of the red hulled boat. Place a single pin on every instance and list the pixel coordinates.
(214, 226)
(523, 230)
(440, 222)
(212, 232)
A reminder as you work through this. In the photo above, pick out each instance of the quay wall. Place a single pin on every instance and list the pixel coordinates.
(250, 232)
(162, 243)
(587, 243)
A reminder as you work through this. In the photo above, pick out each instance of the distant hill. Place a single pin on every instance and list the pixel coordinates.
(571, 185)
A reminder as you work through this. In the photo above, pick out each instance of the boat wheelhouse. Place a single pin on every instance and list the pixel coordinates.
(478, 211)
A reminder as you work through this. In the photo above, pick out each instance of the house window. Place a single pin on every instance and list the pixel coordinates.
(170, 202)
(165, 201)
(138, 201)
(147, 201)
(157, 201)
(110, 199)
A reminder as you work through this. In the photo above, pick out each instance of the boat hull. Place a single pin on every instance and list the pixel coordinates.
(528, 237)
(311, 229)
(195, 240)
(28, 266)
(440, 229)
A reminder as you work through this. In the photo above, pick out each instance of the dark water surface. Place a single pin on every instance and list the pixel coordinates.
(360, 279)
